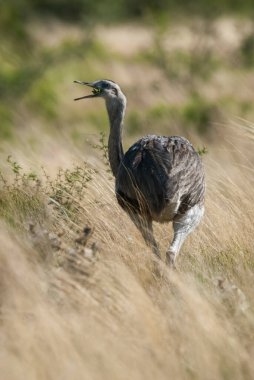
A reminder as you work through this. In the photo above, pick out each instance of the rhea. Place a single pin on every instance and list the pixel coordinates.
(158, 179)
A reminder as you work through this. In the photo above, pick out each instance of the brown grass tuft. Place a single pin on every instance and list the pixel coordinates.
(101, 308)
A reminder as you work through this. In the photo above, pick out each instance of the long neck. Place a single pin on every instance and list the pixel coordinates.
(116, 111)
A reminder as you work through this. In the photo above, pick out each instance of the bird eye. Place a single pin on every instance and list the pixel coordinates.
(106, 86)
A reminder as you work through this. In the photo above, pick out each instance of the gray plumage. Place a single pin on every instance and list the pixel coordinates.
(158, 179)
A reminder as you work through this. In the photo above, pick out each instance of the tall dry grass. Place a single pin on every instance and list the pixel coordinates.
(74, 312)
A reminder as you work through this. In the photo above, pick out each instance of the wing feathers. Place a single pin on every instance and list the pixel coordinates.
(158, 170)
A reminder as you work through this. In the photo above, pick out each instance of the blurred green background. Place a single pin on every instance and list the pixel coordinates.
(185, 66)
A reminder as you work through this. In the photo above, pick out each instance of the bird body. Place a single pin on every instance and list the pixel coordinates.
(158, 179)
(155, 174)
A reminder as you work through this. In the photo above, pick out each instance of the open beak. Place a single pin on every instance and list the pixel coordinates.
(95, 93)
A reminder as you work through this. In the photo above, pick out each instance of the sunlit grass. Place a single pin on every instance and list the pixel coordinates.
(109, 297)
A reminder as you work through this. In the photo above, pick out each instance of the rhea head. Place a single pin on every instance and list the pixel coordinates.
(104, 88)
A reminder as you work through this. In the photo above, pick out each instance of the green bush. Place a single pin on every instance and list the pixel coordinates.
(199, 114)
(6, 123)
(247, 50)
(42, 98)
(14, 12)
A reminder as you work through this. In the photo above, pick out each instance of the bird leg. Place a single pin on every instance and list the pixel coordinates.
(144, 225)
(183, 225)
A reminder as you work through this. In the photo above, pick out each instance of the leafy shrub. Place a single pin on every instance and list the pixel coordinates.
(199, 114)
(24, 195)
(21, 199)
(14, 12)
(6, 122)
(247, 50)
(43, 99)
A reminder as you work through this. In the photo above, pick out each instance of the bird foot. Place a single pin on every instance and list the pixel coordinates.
(170, 259)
